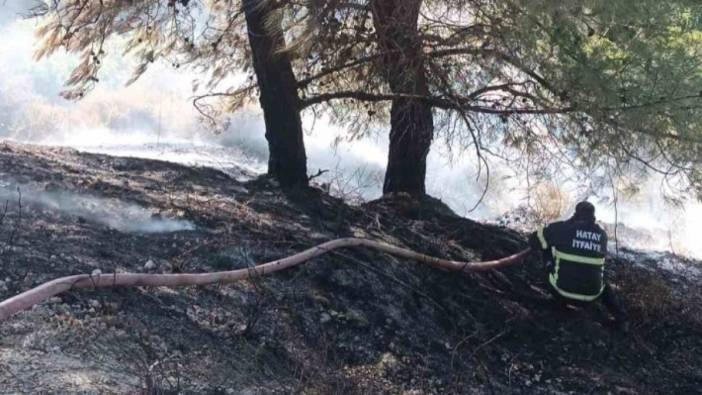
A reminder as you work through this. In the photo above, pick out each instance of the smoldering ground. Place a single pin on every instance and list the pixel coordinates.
(113, 213)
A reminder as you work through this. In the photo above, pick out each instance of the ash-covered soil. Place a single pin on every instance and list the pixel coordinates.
(354, 321)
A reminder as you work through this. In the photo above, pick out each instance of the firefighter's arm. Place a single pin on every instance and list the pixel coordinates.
(534, 242)
(541, 240)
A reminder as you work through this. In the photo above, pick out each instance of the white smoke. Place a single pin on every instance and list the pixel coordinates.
(113, 213)
(153, 118)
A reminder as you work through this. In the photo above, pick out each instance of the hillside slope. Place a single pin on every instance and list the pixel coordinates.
(354, 321)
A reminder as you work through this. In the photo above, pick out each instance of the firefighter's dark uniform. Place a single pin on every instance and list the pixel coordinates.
(574, 253)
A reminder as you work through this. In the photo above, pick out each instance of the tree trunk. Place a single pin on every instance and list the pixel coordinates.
(412, 122)
(279, 99)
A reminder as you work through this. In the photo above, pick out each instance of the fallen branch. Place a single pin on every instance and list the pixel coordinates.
(43, 292)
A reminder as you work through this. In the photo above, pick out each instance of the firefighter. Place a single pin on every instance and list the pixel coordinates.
(574, 253)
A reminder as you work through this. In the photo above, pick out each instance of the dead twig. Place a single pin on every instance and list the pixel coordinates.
(320, 172)
(254, 311)
(4, 211)
(13, 233)
(454, 351)
(491, 340)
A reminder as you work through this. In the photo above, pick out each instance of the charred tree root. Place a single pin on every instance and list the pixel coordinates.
(45, 291)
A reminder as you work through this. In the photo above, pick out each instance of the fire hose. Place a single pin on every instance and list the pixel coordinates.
(52, 288)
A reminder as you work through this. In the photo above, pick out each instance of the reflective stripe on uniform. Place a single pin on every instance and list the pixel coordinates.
(542, 239)
(578, 258)
(553, 277)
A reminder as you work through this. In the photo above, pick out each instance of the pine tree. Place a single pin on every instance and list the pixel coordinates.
(219, 38)
(593, 88)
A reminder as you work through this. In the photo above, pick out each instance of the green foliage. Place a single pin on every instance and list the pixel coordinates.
(632, 72)
(592, 87)
(209, 36)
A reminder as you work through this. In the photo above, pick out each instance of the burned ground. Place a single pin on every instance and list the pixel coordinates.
(354, 321)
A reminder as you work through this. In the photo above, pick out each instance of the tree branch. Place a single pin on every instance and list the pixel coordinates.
(438, 102)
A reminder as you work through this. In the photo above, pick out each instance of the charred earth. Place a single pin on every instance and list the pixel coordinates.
(353, 321)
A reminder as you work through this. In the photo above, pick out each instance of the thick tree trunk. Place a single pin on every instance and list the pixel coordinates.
(412, 122)
(279, 99)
